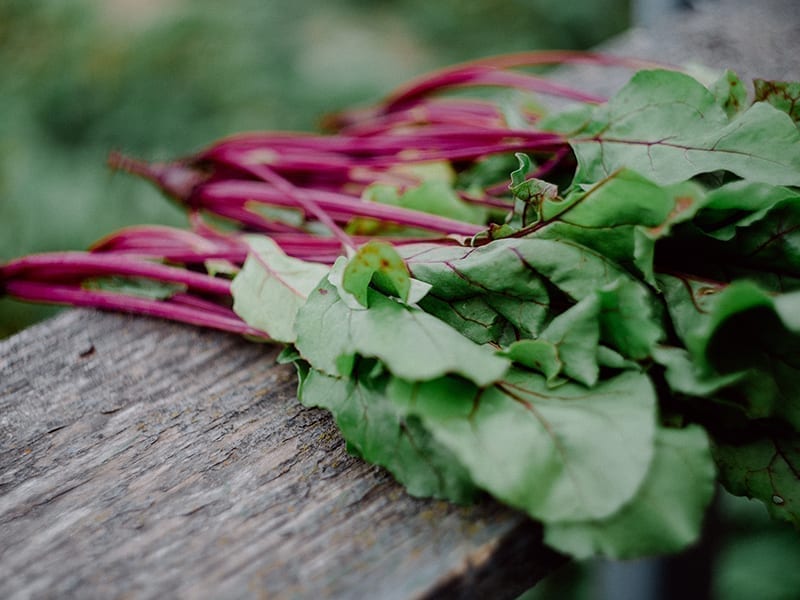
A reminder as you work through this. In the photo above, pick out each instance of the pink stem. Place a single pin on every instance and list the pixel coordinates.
(83, 264)
(339, 206)
(75, 296)
(432, 81)
(488, 76)
(306, 202)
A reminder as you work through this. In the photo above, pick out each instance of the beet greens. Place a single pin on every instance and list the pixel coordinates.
(591, 315)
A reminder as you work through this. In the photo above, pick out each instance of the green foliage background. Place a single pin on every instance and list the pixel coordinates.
(162, 78)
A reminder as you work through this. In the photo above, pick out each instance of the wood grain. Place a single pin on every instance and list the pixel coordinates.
(149, 459)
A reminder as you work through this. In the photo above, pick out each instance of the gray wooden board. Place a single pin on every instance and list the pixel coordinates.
(145, 459)
(756, 38)
(150, 459)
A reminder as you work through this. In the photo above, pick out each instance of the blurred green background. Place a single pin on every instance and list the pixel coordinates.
(160, 78)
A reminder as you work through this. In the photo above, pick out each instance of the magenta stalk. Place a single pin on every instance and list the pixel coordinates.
(192, 314)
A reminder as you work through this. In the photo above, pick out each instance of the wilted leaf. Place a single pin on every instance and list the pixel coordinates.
(378, 262)
(783, 95)
(730, 93)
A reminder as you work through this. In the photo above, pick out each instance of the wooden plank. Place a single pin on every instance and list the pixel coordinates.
(756, 39)
(145, 459)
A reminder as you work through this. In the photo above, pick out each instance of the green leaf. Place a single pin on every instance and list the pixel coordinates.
(413, 344)
(684, 376)
(629, 322)
(767, 468)
(730, 93)
(742, 332)
(493, 274)
(271, 288)
(543, 355)
(435, 197)
(619, 314)
(739, 205)
(519, 175)
(689, 300)
(669, 128)
(521, 279)
(570, 121)
(216, 267)
(666, 514)
(530, 194)
(744, 230)
(473, 317)
(621, 217)
(487, 171)
(378, 432)
(611, 359)
(287, 355)
(526, 316)
(379, 263)
(439, 198)
(140, 287)
(783, 95)
(770, 243)
(517, 269)
(560, 455)
(626, 198)
(757, 343)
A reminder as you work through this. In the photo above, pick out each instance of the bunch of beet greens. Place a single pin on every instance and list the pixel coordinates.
(593, 342)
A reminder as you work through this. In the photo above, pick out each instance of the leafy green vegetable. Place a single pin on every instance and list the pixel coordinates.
(619, 314)
(584, 344)
(599, 349)
(595, 295)
(747, 334)
(379, 262)
(474, 317)
(528, 269)
(135, 286)
(569, 344)
(436, 197)
(783, 95)
(767, 468)
(530, 193)
(738, 205)
(412, 343)
(377, 431)
(669, 128)
(621, 217)
(665, 515)
(271, 288)
(561, 455)
(730, 93)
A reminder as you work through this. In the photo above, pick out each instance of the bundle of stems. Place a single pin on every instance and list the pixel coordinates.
(309, 193)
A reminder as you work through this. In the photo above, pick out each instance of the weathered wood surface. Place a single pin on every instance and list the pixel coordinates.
(149, 459)
(144, 459)
(756, 38)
